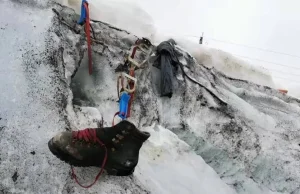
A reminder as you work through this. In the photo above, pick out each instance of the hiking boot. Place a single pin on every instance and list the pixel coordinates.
(88, 147)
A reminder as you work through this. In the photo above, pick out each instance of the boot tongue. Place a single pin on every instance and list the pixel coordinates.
(129, 127)
(108, 133)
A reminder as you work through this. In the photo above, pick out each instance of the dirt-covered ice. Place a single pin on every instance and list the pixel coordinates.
(198, 144)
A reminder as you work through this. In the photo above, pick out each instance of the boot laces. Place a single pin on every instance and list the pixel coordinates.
(89, 135)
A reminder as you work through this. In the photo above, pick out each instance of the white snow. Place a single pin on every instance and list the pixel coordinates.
(227, 63)
(293, 89)
(123, 14)
(171, 167)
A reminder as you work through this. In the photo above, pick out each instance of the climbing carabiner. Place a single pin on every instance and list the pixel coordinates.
(124, 78)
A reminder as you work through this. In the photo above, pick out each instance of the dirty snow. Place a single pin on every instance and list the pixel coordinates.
(35, 95)
(197, 144)
(239, 140)
(133, 18)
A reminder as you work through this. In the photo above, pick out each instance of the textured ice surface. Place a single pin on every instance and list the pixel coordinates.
(197, 143)
(252, 142)
(38, 56)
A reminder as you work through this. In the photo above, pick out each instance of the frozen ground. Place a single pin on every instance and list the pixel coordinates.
(197, 144)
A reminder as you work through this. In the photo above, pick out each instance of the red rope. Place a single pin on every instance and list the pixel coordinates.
(131, 85)
(89, 135)
(88, 36)
(134, 51)
(113, 122)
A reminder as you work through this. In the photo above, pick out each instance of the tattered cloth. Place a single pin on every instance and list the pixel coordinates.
(166, 61)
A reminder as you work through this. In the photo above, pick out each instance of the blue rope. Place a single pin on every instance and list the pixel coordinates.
(83, 13)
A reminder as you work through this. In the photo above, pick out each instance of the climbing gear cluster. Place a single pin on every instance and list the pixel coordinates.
(126, 81)
(95, 146)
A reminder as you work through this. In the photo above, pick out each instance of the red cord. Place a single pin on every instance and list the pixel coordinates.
(88, 36)
(113, 122)
(134, 51)
(131, 85)
(89, 135)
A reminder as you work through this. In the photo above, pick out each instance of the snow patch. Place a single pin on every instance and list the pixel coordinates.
(122, 14)
(227, 63)
(167, 165)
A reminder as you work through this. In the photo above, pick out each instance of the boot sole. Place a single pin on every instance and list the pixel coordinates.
(70, 160)
(63, 156)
